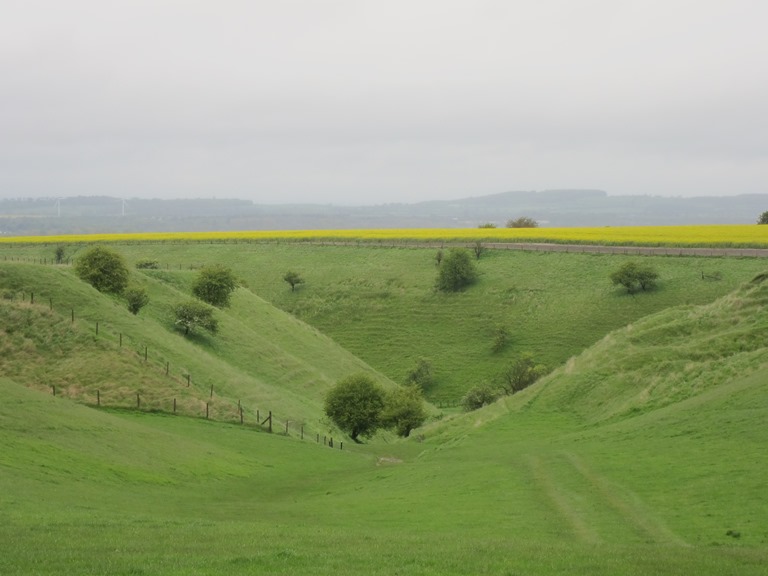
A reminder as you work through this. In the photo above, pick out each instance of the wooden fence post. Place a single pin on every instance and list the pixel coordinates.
(50, 303)
(286, 427)
(138, 401)
(211, 390)
(302, 431)
(167, 367)
(97, 328)
(53, 388)
(145, 352)
(174, 405)
(206, 410)
(121, 339)
(341, 445)
(73, 315)
(98, 398)
(187, 375)
(241, 414)
(31, 297)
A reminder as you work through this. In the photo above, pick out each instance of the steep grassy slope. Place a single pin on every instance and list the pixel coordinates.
(665, 358)
(379, 303)
(261, 356)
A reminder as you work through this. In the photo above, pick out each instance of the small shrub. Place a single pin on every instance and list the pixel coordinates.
(500, 338)
(456, 272)
(478, 397)
(521, 374)
(522, 222)
(421, 375)
(136, 297)
(147, 264)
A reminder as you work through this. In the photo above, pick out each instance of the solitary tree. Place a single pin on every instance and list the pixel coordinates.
(355, 405)
(59, 254)
(478, 249)
(456, 272)
(487, 225)
(763, 218)
(521, 374)
(104, 269)
(403, 410)
(293, 278)
(522, 222)
(193, 314)
(632, 275)
(214, 285)
(136, 297)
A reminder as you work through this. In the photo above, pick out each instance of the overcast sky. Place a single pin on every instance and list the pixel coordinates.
(368, 102)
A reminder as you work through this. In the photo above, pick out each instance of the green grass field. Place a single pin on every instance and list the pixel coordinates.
(641, 453)
(380, 303)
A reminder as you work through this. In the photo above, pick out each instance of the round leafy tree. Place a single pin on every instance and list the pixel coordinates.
(355, 405)
(215, 285)
(194, 314)
(403, 410)
(104, 269)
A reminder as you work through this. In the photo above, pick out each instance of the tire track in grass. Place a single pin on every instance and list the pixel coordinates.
(627, 504)
(563, 505)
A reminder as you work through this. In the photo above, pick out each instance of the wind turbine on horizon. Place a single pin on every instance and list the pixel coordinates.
(58, 207)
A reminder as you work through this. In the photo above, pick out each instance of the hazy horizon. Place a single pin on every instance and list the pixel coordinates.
(350, 102)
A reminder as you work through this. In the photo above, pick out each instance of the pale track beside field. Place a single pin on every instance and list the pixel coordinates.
(565, 248)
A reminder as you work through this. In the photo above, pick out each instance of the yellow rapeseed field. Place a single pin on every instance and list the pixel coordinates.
(746, 235)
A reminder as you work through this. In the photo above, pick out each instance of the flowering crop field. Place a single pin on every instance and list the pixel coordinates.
(710, 236)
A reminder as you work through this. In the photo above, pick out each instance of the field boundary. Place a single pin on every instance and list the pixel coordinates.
(628, 250)
(204, 403)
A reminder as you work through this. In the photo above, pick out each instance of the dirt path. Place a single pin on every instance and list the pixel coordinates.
(594, 509)
(567, 248)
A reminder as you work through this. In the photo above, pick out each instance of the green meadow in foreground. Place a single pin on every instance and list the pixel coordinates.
(641, 454)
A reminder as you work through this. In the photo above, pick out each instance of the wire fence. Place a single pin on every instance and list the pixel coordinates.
(185, 396)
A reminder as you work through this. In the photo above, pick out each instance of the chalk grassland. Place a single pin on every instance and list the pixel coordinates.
(380, 304)
(748, 236)
(568, 477)
(261, 357)
(642, 455)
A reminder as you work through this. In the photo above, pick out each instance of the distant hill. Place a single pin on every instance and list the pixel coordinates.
(553, 208)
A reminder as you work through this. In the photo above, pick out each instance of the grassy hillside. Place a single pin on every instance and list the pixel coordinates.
(641, 454)
(261, 356)
(380, 303)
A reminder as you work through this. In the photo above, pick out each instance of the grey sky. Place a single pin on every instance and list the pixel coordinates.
(355, 101)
